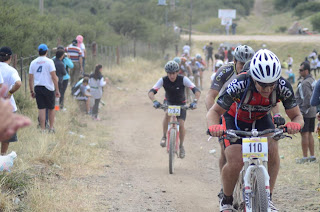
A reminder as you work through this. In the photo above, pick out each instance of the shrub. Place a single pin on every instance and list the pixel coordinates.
(305, 8)
(315, 21)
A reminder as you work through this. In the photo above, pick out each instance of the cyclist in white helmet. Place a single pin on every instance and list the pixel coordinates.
(247, 101)
(174, 86)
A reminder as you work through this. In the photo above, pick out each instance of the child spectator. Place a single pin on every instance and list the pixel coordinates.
(84, 94)
(96, 82)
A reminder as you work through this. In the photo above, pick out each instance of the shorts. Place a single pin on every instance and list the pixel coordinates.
(183, 113)
(44, 97)
(209, 57)
(228, 122)
(309, 124)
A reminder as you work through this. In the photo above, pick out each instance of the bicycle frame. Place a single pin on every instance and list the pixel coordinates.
(253, 162)
(173, 124)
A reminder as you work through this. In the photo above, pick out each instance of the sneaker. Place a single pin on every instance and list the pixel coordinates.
(301, 160)
(220, 195)
(226, 208)
(312, 159)
(52, 131)
(182, 152)
(163, 141)
(272, 207)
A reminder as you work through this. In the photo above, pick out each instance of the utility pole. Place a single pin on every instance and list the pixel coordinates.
(41, 6)
(190, 23)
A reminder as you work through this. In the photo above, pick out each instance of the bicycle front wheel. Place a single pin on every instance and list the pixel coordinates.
(172, 147)
(259, 197)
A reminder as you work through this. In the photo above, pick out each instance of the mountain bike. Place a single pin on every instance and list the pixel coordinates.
(173, 141)
(252, 191)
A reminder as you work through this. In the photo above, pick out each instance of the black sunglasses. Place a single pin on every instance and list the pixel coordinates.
(301, 70)
(264, 85)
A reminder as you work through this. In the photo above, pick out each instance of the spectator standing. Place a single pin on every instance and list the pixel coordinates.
(68, 64)
(60, 70)
(76, 57)
(313, 65)
(43, 84)
(230, 55)
(96, 83)
(227, 27)
(81, 45)
(12, 81)
(233, 27)
(303, 97)
(209, 50)
(290, 62)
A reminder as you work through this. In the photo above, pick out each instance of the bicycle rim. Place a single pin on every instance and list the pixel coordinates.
(259, 197)
(173, 135)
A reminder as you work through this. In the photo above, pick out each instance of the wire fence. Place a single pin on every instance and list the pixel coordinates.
(109, 56)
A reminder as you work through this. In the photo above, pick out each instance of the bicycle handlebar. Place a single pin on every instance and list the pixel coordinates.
(277, 133)
(165, 106)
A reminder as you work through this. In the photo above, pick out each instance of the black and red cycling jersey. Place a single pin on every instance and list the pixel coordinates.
(254, 106)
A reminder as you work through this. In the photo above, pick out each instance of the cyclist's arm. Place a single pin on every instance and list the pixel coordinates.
(210, 98)
(189, 70)
(187, 83)
(214, 114)
(295, 116)
(153, 91)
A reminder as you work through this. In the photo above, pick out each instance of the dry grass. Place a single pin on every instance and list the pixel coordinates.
(47, 172)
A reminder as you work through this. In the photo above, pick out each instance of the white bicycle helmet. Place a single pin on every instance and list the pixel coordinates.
(243, 53)
(171, 67)
(265, 66)
(198, 56)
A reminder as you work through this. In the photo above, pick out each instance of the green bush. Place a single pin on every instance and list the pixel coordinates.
(282, 29)
(315, 21)
(304, 8)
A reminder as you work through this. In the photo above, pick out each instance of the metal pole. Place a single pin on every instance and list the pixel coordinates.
(190, 23)
(41, 6)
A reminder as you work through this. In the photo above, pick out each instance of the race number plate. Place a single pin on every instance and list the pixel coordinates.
(255, 147)
(174, 110)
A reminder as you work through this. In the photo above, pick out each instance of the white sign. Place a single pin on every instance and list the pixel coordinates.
(227, 13)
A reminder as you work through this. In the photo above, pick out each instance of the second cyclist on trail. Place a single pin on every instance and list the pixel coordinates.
(174, 86)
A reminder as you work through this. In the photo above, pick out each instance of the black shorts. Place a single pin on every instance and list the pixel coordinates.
(45, 98)
(309, 124)
(209, 57)
(228, 122)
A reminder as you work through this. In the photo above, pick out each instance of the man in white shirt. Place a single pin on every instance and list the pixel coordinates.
(43, 84)
(12, 81)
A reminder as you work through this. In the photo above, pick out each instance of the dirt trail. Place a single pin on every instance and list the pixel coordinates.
(138, 178)
(266, 38)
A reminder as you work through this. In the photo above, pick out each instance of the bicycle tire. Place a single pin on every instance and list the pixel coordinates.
(172, 146)
(259, 197)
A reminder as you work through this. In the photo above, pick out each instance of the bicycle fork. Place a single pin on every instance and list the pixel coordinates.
(247, 193)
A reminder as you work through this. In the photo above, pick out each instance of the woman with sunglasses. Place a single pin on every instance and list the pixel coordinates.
(248, 100)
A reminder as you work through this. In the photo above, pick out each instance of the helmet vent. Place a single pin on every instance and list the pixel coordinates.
(268, 70)
(274, 69)
(261, 70)
(254, 73)
(265, 57)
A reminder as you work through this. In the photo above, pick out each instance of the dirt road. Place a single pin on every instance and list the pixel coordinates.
(138, 178)
(266, 38)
